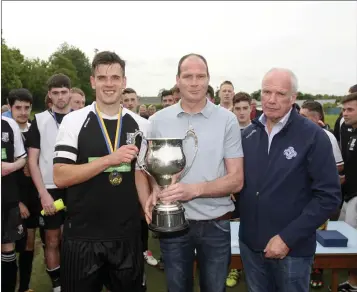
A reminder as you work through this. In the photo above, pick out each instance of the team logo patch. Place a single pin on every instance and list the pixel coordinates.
(5, 137)
(290, 153)
(20, 229)
(41, 221)
(130, 138)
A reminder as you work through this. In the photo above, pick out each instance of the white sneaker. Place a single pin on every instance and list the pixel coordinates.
(149, 258)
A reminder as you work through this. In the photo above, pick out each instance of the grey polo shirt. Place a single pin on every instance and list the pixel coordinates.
(218, 136)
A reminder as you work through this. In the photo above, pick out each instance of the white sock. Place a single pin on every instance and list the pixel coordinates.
(57, 289)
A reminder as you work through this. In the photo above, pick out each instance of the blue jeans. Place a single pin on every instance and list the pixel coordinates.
(291, 274)
(212, 241)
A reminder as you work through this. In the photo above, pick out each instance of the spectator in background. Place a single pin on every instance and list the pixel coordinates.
(13, 158)
(143, 112)
(130, 99)
(151, 110)
(226, 93)
(41, 142)
(313, 111)
(349, 154)
(5, 108)
(167, 98)
(340, 121)
(78, 99)
(48, 102)
(254, 113)
(241, 108)
(176, 93)
(210, 94)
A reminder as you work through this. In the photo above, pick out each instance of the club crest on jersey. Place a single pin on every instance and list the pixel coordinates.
(5, 137)
(290, 153)
(20, 229)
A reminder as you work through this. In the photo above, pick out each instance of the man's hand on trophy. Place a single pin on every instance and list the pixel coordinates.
(125, 154)
(178, 192)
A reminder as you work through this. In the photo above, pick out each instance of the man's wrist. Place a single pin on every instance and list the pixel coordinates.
(198, 190)
(106, 162)
(43, 193)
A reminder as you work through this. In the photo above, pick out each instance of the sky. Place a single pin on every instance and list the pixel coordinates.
(240, 40)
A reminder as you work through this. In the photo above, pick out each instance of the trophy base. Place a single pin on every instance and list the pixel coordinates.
(163, 229)
(168, 218)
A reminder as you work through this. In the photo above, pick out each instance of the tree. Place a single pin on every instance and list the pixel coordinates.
(81, 66)
(256, 94)
(34, 77)
(11, 66)
(58, 63)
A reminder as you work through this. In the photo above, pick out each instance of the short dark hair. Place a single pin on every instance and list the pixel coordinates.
(226, 82)
(166, 93)
(350, 97)
(107, 58)
(242, 96)
(210, 91)
(20, 94)
(128, 91)
(353, 89)
(58, 81)
(191, 55)
(314, 106)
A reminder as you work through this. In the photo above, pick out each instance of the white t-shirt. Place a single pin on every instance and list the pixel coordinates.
(336, 149)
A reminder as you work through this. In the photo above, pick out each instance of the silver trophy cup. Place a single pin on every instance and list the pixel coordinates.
(165, 161)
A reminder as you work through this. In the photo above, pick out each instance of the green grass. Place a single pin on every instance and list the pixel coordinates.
(331, 119)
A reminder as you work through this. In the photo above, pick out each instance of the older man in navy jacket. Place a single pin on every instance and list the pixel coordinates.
(294, 190)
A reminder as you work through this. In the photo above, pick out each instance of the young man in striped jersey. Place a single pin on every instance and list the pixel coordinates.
(13, 158)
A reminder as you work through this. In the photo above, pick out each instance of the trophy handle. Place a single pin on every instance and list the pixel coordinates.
(187, 168)
(140, 160)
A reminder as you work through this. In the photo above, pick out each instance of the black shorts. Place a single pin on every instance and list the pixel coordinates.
(12, 228)
(88, 265)
(55, 221)
(30, 198)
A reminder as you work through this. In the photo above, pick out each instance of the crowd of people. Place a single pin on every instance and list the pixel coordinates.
(278, 170)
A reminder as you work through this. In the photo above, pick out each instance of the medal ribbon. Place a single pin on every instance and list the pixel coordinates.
(103, 128)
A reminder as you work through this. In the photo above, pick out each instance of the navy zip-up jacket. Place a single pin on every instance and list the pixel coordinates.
(290, 191)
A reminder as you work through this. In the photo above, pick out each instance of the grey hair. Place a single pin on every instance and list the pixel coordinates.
(294, 80)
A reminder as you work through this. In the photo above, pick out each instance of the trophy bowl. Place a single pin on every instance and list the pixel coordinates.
(165, 162)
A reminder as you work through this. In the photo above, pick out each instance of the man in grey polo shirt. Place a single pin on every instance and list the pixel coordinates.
(216, 172)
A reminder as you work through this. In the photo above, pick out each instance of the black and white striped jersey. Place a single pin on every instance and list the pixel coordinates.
(96, 209)
(12, 148)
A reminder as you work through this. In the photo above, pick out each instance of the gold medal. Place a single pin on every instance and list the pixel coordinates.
(115, 178)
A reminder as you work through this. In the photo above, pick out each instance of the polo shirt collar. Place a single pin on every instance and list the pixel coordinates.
(206, 111)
